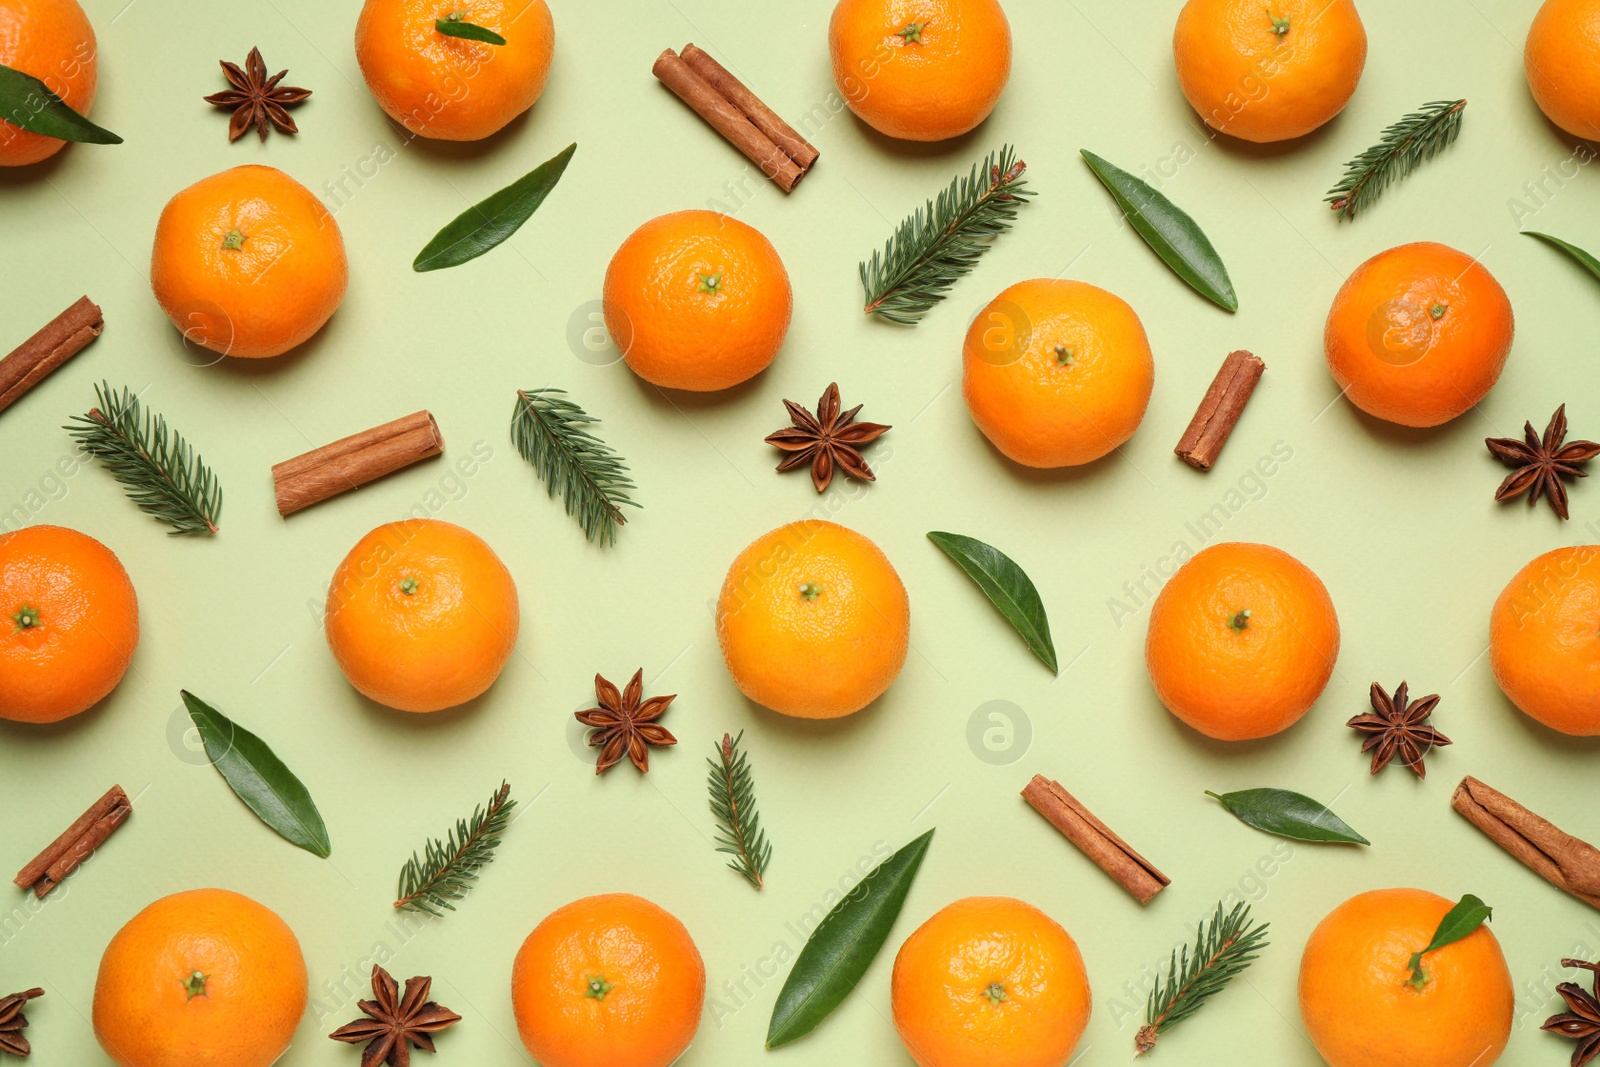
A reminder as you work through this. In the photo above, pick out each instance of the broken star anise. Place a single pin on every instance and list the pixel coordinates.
(622, 724)
(828, 440)
(256, 99)
(1581, 1020)
(1539, 464)
(12, 1021)
(1397, 727)
(396, 1023)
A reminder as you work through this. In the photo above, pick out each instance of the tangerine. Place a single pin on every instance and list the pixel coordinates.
(53, 41)
(1544, 640)
(1562, 59)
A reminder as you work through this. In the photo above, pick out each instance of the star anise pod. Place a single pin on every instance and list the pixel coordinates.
(256, 99)
(396, 1023)
(1540, 464)
(12, 1021)
(1581, 1021)
(827, 440)
(1397, 727)
(622, 724)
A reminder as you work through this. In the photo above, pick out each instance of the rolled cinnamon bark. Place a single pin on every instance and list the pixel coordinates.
(354, 461)
(1559, 858)
(50, 867)
(760, 115)
(61, 338)
(1094, 839)
(727, 119)
(1220, 410)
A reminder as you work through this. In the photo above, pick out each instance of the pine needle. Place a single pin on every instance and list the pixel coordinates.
(733, 802)
(1223, 948)
(942, 242)
(162, 474)
(593, 480)
(446, 869)
(1403, 148)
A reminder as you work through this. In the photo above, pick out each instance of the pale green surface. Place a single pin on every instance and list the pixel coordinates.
(1400, 525)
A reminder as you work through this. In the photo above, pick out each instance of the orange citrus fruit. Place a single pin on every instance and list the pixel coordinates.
(813, 621)
(1544, 640)
(1242, 641)
(248, 263)
(990, 982)
(608, 981)
(1057, 373)
(1562, 58)
(451, 88)
(923, 71)
(53, 41)
(1269, 71)
(202, 977)
(1418, 334)
(697, 300)
(1360, 1007)
(422, 615)
(69, 620)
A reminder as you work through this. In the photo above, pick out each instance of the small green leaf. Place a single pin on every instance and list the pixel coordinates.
(1288, 814)
(454, 25)
(485, 225)
(1007, 586)
(1174, 235)
(839, 950)
(27, 102)
(1459, 922)
(1591, 264)
(259, 778)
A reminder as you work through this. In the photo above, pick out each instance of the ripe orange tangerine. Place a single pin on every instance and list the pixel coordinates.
(1544, 640)
(69, 622)
(1562, 60)
(52, 41)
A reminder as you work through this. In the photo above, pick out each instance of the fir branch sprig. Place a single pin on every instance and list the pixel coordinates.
(1401, 149)
(548, 430)
(733, 802)
(941, 242)
(163, 475)
(1223, 947)
(446, 869)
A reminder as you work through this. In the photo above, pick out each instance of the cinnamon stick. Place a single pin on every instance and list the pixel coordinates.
(1220, 410)
(1094, 839)
(61, 338)
(51, 867)
(354, 461)
(727, 119)
(1559, 858)
(760, 115)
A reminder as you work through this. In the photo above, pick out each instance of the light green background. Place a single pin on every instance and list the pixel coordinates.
(1399, 524)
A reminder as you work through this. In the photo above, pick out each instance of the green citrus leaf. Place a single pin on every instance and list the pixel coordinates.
(1174, 235)
(1459, 922)
(453, 26)
(485, 225)
(843, 944)
(1589, 262)
(1288, 814)
(259, 778)
(1007, 586)
(27, 102)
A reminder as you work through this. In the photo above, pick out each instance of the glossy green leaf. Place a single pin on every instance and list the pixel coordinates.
(1004, 583)
(839, 950)
(1166, 228)
(259, 778)
(454, 26)
(1288, 814)
(485, 225)
(27, 102)
(1589, 262)
(1459, 922)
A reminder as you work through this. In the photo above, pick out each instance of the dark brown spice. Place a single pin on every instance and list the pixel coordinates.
(13, 1022)
(1566, 862)
(1397, 726)
(257, 100)
(1581, 1020)
(1539, 464)
(396, 1023)
(828, 440)
(626, 724)
(76, 844)
(1220, 410)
